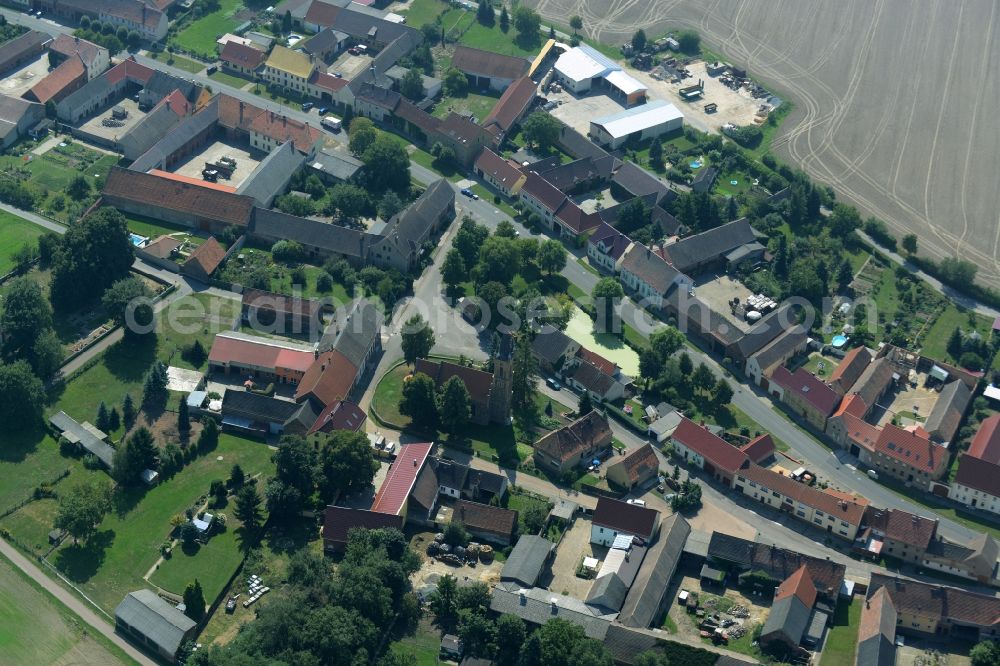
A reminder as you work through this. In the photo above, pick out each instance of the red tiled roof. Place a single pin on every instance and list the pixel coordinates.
(162, 247)
(543, 191)
(170, 194)
(978, 474)
(477, 382)
(595, 359)
(871, 624)
(287, 305)
(759, 448)
(282, 128)
(849, 369)
(60, 81)
(902, 526)
(263, 355)
(485, 518)
(395, 490)
(343, 415)
(327, 81)
(986, 444)
(339, 521)
(177, 103)
(712, 448)
(219, 187)
(625, 518)
(68, 46)
(328, 379)
(575, 218)
(805, 384)
(241, 55)
(235, 113)
(800, 585)
(911, 447)
(639, 462)
(498, 168)
(512, 103)
(207, 256)
(588, 432)
(130, 69)
(861, 432)
(833, 504)
(852, 404)
(488, 63)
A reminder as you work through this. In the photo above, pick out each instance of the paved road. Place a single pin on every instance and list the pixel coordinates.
(71, 602)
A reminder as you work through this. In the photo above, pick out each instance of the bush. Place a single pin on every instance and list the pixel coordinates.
(286, 251)
(879, 233)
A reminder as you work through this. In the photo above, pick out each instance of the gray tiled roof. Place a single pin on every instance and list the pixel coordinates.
(607, 592)
(537, 606)
(183, 132)
(258, 407)
(550, 346)
(526, 561)
(788, 616)
(650, 268)
(709, 245)
(942, 423)
(354, 336)
(645, 597)
(639, 182)
(147, 132)
(154, 618)
(411, 226)
(338, 164)
(310, 233)
(87, 439)
(272, 175)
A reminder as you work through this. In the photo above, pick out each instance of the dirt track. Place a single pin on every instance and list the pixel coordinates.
(895, 99)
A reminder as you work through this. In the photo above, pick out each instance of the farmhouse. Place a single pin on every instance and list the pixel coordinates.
(501, 174)
(607, 246)
(241, 58)
(647, 274)
(775, 354)
(512, 106)
(613, 518)
(23, 48)
(937, 610)
(636, 469)
(488, 523)
(338, 521)
(877, 630)
(153, 623)
(646, 121)
(908, 455)
(707, 451)
(579, 442)
(806, 395)
(977, 483)
(95, 58)
(405, 235)
(17, 117)
(286, 68)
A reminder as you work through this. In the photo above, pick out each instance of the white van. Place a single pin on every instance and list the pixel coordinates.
(332, 123)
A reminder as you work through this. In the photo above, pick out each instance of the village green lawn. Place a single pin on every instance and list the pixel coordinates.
(36, 629)
(187, 64)
(422, 12)
(126, 544)
(474, 103)
(222, 553)
(229, 79)
(935, 342)
(199, 37)
(14, 233)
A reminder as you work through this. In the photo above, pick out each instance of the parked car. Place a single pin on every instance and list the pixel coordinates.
(636, 502)
(321, 110)
(307, 105)
(553, 384)
(467, 192)
(212, 69)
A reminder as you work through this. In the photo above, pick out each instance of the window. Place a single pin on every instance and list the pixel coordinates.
(819, 513)
(776, 493)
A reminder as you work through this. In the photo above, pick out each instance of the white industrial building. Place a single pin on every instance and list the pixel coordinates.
(643, 122)
(581, 68)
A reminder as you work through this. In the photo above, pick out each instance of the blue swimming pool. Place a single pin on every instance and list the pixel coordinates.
(137, 240)
(839, 341)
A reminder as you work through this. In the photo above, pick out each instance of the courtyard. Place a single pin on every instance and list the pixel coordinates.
(245, 164)
(717, 291)
(575, 546)
(19, 81)
(577, 112)
(95, 125)
(911, 405)
(349, 66)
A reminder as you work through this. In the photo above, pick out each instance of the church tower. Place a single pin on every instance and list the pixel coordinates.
(503, 380)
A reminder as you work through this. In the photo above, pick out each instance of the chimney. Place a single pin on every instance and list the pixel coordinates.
(241, 112)
(553, 602)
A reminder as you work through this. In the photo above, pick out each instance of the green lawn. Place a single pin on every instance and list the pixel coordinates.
(425, 159)
(32, 523)
(935, 342)
(424, 645)
(842, 640)
(388, 393)
(14, 232)
(147, 226)
(724, 184)
(36, 629)
(521, 502)
(221, 554)
(283, 285)
(474, 103)
(422, 12)
(127, 542)
(187, 64)
(28, 459)
(229, 79)
(492, 39)
(199, 37)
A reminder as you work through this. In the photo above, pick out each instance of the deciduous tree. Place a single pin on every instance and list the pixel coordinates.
(419, 401)
(82, 508)
(455, 406)
(417, 339)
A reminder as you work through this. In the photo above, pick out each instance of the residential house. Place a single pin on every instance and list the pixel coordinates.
(264, 359)
(908, 455)
(487, 70)
(493, 524)
(269, 130)
(877, 631)
(925, 610)
(17, 117)
(895, 533)
(513, 105)
(581, 441)
(501, 174)
(175, 201)
(263, 416)
(849, 370)
(463, 136)
(23, 49)
(278, 313)
(606, 248)
(154, 624)
(833, 512)
(527, 560)
(742, 346)
(975, 560)
(790, 622)
(848, 428)
(762, 364)
(288, 69)
(343, 415)
(706, 451)
(805, 395)
(636, 469)
(70, 75)
(338, 521)
(552, 349)
(585, 376)
(613, 518)
(405, 235)
(242, 59)
(95, 58)
(647, 274)
(977, 482)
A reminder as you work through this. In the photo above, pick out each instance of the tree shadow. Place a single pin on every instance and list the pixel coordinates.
(81, 561)
(18, 445)
(130, 358)
(190, 549)
(290, 537)
(127, 498)
(246, 539)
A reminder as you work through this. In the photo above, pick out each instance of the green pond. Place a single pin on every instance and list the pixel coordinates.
(581, 329)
